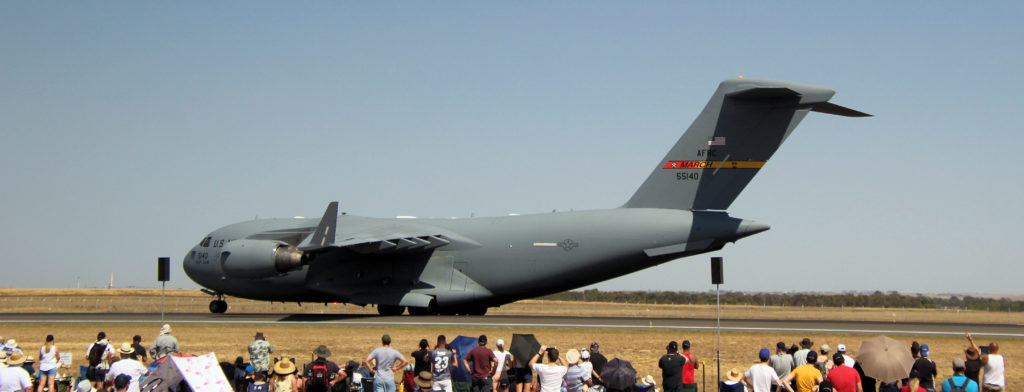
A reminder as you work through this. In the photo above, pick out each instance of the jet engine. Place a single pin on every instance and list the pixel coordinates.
(260, 259)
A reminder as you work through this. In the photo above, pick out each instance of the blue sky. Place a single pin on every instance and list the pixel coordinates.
(129, 130)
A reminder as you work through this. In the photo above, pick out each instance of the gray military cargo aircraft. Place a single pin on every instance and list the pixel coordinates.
(464, 266)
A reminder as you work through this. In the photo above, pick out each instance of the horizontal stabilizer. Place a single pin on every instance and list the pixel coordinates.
(831, 108)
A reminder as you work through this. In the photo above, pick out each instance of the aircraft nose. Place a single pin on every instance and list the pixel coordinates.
(749, 227)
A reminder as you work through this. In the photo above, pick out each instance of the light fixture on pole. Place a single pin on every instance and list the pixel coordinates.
(163, 274)
(717, 279)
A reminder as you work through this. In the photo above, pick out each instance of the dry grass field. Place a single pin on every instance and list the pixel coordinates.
(641, 346)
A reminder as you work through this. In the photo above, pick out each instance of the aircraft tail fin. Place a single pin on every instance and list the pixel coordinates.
(742, 125)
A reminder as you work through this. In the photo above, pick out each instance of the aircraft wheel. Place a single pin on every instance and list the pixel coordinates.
(218, 306)
(390, 310)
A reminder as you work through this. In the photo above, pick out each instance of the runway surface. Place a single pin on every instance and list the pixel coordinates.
(858, 327)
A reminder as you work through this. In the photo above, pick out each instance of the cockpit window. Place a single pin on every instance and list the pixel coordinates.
(205, 242)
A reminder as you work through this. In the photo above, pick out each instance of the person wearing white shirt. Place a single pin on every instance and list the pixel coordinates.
(127, 366)
(14, 377)
(550, 373)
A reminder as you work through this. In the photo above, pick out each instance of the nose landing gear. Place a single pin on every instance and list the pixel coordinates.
(218, 305)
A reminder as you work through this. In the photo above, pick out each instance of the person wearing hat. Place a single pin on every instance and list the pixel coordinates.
(84, 386)
(122, 382)
(800, 356)
(11, 346)
(671, 365)
(926, 368)
(127, 366)
(761, 377)
(782, 362)
(587, 366)
(504, 357)
(806, 377)
(732, 381)
(575, 377)
(259, 353)
(550, 373)
(692, 364)
(99, 354)
(844, 379)
(482, 365)
(164, 345)
(384, 361)
(322, 374)
(825, 363)
(14, 377)
(959, 380)
(994, 377)
(284, 377)
(646, 384)
(972, 361)
(597, 361)
(848, 361)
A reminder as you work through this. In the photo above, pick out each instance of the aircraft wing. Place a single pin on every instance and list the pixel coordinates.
(377, 237)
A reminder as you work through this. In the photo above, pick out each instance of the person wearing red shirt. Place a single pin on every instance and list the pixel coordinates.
(844, 378)
(689, 383)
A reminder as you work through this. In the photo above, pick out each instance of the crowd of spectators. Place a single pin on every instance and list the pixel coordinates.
(798, 367)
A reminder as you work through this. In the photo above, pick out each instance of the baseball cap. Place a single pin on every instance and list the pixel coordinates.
(584, 353)
(594, 346)
(673, 346)
(501, 343)
(686, 344)
(958, 364)
(924, 350)
(841, 348)
(812, 356)
(122, 381)
(764, 354)
(780, 345)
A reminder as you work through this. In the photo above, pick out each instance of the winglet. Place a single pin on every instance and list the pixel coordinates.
(324, 234)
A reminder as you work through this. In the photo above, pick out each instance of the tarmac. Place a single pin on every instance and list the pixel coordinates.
(693, 324)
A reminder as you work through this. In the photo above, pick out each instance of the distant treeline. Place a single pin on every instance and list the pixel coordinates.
(877, 299)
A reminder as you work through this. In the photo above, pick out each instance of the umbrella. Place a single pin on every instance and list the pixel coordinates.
(884, 359)
(618, 374)
(524, 347)
(462, 345)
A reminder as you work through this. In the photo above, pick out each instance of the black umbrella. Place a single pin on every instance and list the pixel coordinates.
(524, 347)
(618, 374)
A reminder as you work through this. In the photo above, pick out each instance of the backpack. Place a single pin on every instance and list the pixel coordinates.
(959, 388)
(826, 386)
(319, 377)
(96, 354)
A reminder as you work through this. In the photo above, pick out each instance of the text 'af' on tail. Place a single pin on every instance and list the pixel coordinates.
(742, 125)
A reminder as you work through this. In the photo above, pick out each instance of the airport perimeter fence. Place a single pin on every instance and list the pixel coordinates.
(190, 303)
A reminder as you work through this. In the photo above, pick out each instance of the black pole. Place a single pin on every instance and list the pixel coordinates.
(717, 279)
(163, 274)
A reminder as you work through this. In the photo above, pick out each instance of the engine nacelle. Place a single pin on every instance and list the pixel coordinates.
(259, 259)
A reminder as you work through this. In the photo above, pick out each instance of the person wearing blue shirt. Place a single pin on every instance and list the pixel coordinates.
(959, 380)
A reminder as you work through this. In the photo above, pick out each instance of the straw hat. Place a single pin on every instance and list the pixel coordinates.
(734, 374)
(423, 380)
(648, 380)
(126, 348)
(16, 358)
(572, 356)
(11, 343)
(284, 367)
